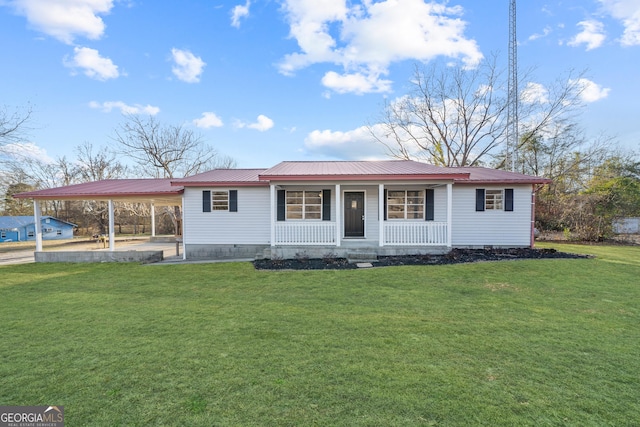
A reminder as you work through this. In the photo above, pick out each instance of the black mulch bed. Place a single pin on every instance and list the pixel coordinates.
(456, 256)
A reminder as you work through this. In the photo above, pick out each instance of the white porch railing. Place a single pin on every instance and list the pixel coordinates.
(423, 233)
(305, 233)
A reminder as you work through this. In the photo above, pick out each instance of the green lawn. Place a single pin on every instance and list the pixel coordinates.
(539, 343)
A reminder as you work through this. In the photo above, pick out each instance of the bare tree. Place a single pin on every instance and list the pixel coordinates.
(564, 155)
(456, 116)
(96, 165)
(13, 124)
(99, 165)
(40, 174)
(166, 151)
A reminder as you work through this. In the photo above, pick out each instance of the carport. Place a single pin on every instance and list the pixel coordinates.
(156, 192)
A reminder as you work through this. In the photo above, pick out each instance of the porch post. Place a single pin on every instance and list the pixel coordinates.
(153, 220)
(338, 216)
(273, 214)
(449, 213)
(37, 217)
(112, 234)
(381, 214)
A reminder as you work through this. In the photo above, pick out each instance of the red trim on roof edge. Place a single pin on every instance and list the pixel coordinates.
(220, 184)
(422, 177)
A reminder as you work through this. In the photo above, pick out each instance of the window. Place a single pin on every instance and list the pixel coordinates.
(493, 200)
(220, 200)
(58, 232)
(304, 204)
(3, 235)
(405, 204)
(30, 233)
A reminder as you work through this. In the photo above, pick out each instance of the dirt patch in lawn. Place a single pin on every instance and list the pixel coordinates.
(456, 256)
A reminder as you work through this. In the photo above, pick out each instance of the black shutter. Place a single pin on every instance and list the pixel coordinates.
(282, 207)
(206, 201)
(479, 199)
(385, 204)
(508, 199)
(326, 205)
(233, 200)
(429, 211)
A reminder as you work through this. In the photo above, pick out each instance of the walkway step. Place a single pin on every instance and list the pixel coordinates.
(362, 257)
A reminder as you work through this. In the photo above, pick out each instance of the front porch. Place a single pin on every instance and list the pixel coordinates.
(359, 215)
(320, 233)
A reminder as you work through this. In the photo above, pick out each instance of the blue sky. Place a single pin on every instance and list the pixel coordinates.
(271, 80)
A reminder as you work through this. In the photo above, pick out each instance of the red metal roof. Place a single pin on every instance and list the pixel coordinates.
(223, 177)
(360, 170)
(494, 176)
(109, 189)
(169, 191)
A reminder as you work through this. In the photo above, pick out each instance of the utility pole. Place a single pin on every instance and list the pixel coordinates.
(512, 96)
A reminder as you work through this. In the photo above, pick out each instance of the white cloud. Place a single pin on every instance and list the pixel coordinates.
(357, 144)
(65, 19)
(208, 120)
(590, 91)
(365, 39)
(355, 83)
(628, 12)
(534, 93)
(545, 32)
(108, 106)
(239, 12)
(263, 123)
(592, 35)
(92, 64)
(187, 67)
(26, 150)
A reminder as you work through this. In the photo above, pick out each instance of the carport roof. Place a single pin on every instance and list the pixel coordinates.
(159, 191)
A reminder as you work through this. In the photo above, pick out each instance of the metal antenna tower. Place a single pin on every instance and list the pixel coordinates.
(512, 95)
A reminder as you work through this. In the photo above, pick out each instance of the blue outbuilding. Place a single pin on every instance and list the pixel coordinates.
(21, 228)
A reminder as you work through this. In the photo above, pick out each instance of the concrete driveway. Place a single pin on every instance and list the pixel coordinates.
(25, 256)
(17, 257)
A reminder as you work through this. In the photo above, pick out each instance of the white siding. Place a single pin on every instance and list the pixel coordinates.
(250, 225)
(440, 204)
(491, 227)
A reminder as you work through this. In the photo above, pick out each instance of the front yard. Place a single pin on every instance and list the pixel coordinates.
(537, 342)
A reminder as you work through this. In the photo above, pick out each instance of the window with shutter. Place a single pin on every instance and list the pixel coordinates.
(405, 204)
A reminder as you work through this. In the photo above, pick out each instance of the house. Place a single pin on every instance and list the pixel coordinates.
(21, 228)
(337, 208)
(626, 225)
(348, 207)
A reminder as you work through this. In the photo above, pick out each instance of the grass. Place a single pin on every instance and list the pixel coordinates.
(538, 343)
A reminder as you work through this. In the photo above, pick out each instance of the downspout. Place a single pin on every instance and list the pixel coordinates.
(381, 215)
(449, 215)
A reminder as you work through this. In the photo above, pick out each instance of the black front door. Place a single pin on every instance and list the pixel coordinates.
(354, 214)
